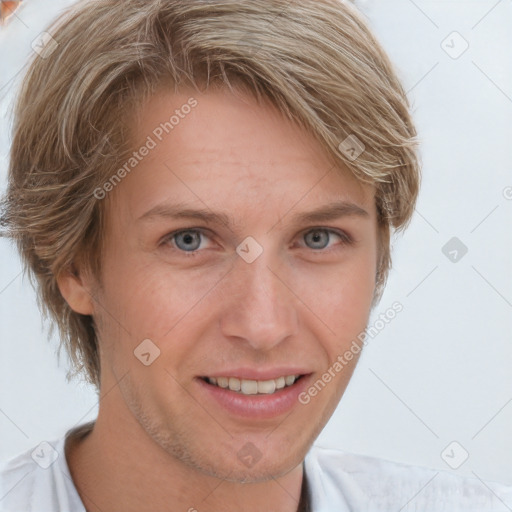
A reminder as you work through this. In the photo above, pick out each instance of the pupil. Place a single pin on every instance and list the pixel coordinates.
(186, 239)
(316, 237)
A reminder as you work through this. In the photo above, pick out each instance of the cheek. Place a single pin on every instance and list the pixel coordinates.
(359, 282)
(340, 299)
(156, 301)
(344, 290)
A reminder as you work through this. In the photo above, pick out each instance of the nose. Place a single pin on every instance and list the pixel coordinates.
(262, 308)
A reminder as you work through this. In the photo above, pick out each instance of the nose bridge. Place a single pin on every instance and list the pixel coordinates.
(262, 310)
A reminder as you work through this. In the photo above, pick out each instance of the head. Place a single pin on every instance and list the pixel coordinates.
(259, 110)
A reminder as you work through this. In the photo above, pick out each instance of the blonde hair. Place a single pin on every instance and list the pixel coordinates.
(315, 60)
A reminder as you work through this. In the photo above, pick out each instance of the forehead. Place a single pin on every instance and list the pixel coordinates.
(218, 147)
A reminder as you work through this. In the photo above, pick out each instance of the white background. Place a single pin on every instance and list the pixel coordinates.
(440, 371)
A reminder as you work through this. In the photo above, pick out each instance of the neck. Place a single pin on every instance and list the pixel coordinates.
(118, 467)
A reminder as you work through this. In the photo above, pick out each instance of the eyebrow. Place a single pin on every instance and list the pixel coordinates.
(328, 212)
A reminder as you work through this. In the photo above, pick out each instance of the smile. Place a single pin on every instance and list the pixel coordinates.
(253, 387)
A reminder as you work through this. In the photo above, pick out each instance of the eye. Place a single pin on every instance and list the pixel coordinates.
(187, 241)
(319, 238)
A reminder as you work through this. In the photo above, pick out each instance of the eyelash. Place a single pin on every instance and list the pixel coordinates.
(344, 237)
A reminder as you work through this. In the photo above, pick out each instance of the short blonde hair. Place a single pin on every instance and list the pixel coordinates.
(315, 60)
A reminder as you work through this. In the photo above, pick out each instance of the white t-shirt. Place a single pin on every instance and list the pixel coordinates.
(39, 480)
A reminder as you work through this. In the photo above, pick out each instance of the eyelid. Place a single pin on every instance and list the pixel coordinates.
(346, 238)
(169, 236)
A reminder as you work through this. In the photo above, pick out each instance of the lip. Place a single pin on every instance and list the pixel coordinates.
(256, 406)
(259, 374)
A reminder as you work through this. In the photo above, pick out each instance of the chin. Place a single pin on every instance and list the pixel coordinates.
(261, 472)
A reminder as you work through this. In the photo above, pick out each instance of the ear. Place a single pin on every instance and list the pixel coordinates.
(76, 291)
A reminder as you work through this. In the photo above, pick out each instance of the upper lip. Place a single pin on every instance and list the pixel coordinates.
(259, 373)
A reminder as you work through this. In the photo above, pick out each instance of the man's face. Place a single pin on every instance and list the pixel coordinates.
(289, 301)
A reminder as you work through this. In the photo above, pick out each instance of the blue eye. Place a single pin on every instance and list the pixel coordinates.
(321, 237)
(188, 241)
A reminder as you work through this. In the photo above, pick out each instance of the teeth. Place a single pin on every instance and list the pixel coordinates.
(289, 380)
(249, 387)
(253, 387)
(234, 384)
(222, 382)
(267, 386)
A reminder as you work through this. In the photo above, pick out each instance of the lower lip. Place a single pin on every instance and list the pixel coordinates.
(257, 406)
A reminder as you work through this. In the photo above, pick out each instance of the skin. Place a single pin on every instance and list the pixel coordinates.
(302, 302)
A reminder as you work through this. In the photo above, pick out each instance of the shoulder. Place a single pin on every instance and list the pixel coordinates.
(39, 480)
(358, 482)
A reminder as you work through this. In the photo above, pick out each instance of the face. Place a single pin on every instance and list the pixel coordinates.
(254, 289)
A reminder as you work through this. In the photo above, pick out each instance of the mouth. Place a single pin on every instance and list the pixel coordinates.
(254, 399)
(253, 387)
